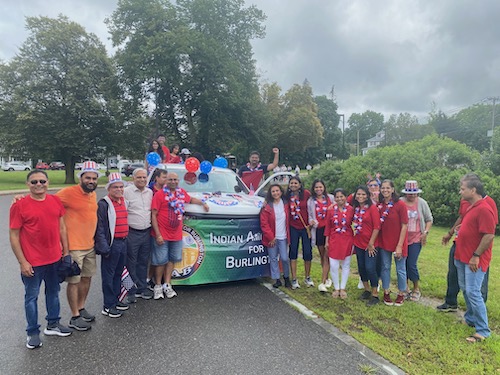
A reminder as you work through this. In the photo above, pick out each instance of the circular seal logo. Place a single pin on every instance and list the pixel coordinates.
(193, 253)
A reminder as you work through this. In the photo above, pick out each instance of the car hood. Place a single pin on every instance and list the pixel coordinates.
(226, 205)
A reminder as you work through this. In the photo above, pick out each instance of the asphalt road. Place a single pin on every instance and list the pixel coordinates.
(233, 328)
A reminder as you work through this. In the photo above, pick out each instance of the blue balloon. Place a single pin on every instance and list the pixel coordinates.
(205, 166)
(153, 159)
(203, 178)
(220, 162)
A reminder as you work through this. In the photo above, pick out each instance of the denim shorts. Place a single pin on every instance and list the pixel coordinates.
(170, 251)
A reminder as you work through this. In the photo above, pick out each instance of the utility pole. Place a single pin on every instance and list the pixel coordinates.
(343, 135)
(493, 99)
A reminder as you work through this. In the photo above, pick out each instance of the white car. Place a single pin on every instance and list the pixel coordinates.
(16, 166)
(223, 244)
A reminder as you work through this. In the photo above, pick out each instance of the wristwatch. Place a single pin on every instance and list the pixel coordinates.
(474, 254)
(426, 232)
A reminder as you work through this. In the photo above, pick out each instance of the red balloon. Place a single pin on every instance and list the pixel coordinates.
(192, 164)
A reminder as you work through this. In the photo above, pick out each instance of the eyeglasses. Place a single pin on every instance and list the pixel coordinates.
(34, 182)
(373, 185)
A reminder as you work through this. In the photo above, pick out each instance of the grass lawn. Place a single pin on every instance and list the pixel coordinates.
(16, 180)
(415, 337)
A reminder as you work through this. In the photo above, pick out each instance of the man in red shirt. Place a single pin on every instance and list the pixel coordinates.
(253, 171)
(473, 253)
(167, 212)
(111, 243)
(39, 216)
(166, 152)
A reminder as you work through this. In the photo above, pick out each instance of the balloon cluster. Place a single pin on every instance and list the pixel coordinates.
(205, 167)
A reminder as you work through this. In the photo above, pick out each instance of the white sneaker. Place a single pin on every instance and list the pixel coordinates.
(322, 288)
(158, 292)
(328, 283)
(360, 284)
(170, 292)
(295, 284)
(308, 281)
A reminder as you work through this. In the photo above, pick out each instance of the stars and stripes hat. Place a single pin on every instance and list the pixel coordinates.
(113, 178)
(89, 166)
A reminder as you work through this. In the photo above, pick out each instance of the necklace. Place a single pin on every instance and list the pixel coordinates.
(295, 207)
(386, 212)
(359, 213)
(343, 219)
(176, 200)
(322, 208)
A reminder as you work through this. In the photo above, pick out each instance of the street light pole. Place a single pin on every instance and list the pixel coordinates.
(343, 134)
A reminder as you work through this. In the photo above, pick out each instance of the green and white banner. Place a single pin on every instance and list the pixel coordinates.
(218, 250)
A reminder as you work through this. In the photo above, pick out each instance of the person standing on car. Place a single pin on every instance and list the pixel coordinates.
(139, 199)
(111, 243)
(253, 172)
(167, 213)
(155, 146)
(80, 204)
(39, 216)
(274, 222)
(166, 152)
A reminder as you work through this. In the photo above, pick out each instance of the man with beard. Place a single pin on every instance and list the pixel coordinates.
(80, 204)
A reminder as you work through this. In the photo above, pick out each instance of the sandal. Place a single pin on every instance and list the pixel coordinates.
(475, 338)
(415, 295)
(343, 294)
(335, 294)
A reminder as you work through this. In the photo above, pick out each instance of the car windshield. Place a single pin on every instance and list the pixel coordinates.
(218, 181)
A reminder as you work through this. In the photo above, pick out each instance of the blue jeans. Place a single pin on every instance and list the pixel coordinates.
(386, 260)
(411, 261)
(295, 236)
(47, 274)
(452, 287)
(277, 253)
(470, 284)
(367, 266)
(111, 272)
(138, 253)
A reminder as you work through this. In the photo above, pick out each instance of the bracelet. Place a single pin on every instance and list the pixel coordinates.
(474, 254)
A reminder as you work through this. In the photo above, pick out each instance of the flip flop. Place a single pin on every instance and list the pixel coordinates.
(415, 295)
(475, 338)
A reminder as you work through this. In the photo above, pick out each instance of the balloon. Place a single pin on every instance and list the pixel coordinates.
(205, 166)
(220, 162)
(192, 164)
(203, 178)
(190, 178)
(153, 159)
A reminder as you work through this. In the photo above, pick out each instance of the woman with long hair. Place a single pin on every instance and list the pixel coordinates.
(297, 198)
(154, 146)
(317, 207)
(392, 239)
(274, 222)
(175, 157)
(366, 222)
(339, 241)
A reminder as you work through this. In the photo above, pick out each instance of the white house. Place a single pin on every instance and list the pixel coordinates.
(374, 142)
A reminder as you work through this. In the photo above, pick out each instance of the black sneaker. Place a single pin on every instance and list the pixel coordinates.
(447, 308)
(57, 329)
(131, 298)
(111, 312)
(288, 284)
(146, 294)
(151, 285)
(86, 316)
(122, 306)
(33, 341)
(277, 284)
(365, 295)
(78, 323)
(373, 301)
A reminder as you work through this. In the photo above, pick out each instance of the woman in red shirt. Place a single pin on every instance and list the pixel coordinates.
(392, 239)
(366, 227)
(317, 207)
(274, 222)
(297, 198)
(339, 241)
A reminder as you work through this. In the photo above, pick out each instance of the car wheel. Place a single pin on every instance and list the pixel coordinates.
(26, 169)
(11, 169)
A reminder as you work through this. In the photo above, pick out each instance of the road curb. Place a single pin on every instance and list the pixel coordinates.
(373, 357)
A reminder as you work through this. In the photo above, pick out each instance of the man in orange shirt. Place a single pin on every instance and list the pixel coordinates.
(80, 204)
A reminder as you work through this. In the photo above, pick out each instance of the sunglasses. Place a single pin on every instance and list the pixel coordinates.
(34, 182)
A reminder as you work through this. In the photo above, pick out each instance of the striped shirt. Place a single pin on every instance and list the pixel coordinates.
(121, 229)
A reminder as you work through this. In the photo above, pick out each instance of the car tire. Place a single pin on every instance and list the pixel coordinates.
(26, 169)
(11, 169)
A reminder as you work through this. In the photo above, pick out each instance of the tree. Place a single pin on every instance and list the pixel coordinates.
(61, 94)
(404, 128)
(332, 135)
(363, 127)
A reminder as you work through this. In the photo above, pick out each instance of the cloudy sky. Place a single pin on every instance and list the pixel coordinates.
(389, 56)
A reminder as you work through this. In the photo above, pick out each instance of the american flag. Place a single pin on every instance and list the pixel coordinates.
(127, 284)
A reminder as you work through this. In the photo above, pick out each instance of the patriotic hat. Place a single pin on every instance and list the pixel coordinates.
(113, 178)
(89, 166)
(411, 187)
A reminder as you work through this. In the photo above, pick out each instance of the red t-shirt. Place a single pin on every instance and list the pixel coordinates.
(477, 220)
(252, 176)
(39, 225)
(339, 233)
(175, 159)
(464, 205)
(166, 154)
(169, 222)
(121, 227)
(370, 221)
(390, 229)
(302, 203)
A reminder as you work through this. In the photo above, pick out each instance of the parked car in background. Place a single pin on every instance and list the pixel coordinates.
(78, 166)
(57, 165)
(42, 165)
(16, 166)
(129, 168)
(121, 164)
